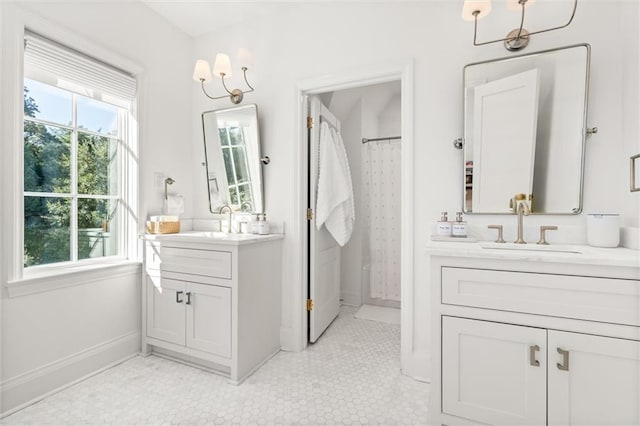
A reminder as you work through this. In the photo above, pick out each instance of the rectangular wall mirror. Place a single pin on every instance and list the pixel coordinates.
(232, 153)
(525, 130)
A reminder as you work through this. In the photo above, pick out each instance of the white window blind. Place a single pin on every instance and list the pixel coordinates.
(47, 60)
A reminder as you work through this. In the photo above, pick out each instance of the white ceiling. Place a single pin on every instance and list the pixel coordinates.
(198, 17)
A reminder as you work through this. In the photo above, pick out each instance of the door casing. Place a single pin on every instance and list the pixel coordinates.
(370, 75)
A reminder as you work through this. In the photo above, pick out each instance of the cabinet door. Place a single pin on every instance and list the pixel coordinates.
(165, 309)
(493, 373)
(209, 318)
(594, 381)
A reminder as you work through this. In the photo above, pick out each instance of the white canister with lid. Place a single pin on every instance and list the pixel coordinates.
(603, 230)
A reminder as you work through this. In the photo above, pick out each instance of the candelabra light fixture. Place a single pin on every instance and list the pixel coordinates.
(517, 39)
(221, 68)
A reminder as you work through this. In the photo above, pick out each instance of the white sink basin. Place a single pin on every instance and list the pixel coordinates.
(532, 247)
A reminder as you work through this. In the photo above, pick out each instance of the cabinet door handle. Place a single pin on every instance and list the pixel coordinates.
(532, 355)
(178, 298)
(188, 298)
(565, 360)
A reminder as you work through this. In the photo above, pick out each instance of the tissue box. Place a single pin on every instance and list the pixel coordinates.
(163, 227)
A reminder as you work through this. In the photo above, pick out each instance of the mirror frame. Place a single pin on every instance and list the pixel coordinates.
(575, 211)
(635, 173)
(258, 159)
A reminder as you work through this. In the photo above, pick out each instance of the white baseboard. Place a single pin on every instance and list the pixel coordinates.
(417, 367)
(28, 388)
(288, 342)
(351, 298)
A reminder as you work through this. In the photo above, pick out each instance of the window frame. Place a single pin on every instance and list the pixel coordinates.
(20, 280)
(74, 195)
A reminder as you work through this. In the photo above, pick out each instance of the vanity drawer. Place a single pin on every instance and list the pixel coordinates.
(609, 300)
(199, 262)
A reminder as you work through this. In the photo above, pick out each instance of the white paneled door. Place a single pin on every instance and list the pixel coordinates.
(593, 380)
(494, 373)
(324, 251)
(165, 309)
(208, 311)
(505, 118)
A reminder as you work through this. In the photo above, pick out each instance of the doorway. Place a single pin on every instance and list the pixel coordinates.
(363, 269)
(387, 71)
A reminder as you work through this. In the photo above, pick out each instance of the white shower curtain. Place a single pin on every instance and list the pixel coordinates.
(381, 180)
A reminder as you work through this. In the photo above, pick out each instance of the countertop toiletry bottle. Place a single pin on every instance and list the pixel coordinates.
(255, 223)
(263, 225)
(459, 227)
(444, 226)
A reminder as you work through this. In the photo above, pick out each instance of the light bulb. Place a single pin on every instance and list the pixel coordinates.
(202, 71)
(222, 65)
(515, 4)
(471, 6)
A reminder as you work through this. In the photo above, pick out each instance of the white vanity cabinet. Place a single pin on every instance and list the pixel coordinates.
(212, 302)
(196, 316)
(519, 342)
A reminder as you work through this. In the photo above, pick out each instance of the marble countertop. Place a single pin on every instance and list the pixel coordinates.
(210, 237)
(572, 254)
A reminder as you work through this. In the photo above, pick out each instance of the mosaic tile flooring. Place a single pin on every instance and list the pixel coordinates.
(350, 377)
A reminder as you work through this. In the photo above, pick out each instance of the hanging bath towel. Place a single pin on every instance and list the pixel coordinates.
(334, 207)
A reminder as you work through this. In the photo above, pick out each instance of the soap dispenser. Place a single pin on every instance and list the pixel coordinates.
(255, 224)
(444, 226)
(459, 227)
(263, 225)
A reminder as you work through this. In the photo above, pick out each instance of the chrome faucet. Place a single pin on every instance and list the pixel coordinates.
(521, 208)
(246, 204)
(227, 207)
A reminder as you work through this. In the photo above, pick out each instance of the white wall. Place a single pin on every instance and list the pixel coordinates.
(308, 41)
(390, 119)
(53, 337)
(351, 253)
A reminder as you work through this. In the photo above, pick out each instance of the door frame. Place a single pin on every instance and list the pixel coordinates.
(378, 73)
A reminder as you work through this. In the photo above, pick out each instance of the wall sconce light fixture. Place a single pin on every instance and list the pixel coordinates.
(221, 68)
(517, 39)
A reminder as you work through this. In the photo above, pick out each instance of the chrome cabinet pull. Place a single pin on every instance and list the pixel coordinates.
(178, 298)
(565, 360)
(188, 298)
(532, 355)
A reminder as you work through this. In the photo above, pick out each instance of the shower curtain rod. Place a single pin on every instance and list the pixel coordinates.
(365, 140)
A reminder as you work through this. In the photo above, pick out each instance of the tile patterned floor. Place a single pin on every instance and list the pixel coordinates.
(350, 377)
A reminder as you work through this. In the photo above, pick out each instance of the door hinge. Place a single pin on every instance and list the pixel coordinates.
(309, 122)
(309, 214)
(309, 304)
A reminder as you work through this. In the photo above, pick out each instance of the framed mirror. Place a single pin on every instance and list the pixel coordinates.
(525, 130)
(635, 173)
(232, 154)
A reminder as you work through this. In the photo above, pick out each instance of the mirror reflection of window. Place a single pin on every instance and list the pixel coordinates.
(232, 142)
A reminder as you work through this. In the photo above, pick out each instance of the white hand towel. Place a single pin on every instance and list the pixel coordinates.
(340, 222)
(334, 204)
(173, 205)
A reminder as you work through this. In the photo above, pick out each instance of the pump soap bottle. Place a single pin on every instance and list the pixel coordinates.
(263, 225)
(459, 228)
(444, 226)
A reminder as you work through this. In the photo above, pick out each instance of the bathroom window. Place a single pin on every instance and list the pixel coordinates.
(76, 150)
